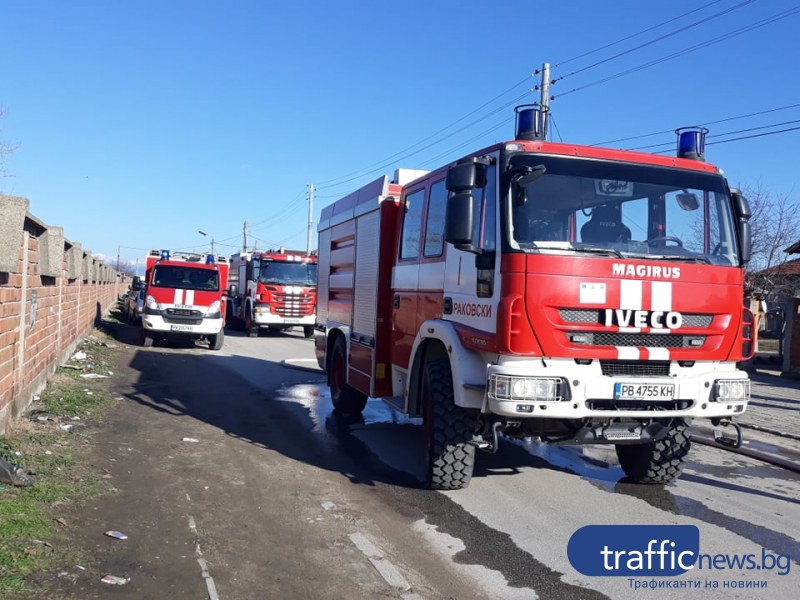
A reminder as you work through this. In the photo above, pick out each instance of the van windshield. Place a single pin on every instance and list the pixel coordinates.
(185, 278)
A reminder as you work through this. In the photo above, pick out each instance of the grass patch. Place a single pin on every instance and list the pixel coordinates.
(32, 530)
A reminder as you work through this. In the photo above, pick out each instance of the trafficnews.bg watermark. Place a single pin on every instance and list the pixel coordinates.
(649, 551)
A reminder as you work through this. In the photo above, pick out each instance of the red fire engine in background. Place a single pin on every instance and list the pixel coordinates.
(575, 294)
(275, 290)
(185, 297)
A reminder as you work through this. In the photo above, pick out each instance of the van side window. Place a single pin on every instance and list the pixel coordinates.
(434, 228)
(412, 225)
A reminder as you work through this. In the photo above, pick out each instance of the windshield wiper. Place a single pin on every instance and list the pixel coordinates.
(598, 250)
(678, 257)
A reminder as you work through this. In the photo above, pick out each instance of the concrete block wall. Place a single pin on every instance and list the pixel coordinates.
(51, 293)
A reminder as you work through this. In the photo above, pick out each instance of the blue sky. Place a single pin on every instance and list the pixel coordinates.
(138, 123)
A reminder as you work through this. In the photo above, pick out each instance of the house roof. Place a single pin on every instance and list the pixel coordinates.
(791, 267)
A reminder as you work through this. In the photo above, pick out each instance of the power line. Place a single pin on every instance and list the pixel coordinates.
(736, 32)
(330, 182)
(637, 34)
(717, 135)
(737, 139)
(385, 165)
(658, 39)
(645, 135)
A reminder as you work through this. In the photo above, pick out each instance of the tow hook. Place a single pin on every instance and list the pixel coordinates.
(482, 444)
(721, 438)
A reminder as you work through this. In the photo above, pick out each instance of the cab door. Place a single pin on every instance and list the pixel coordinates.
(405, 278)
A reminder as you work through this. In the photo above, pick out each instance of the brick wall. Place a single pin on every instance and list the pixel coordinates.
(51, 292)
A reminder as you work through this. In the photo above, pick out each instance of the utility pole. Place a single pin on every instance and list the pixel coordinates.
(244, 238)
(117, 258)
(544, 102)
(310, 216)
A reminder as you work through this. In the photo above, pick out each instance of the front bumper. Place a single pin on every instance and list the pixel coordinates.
(585, 393)
(268, 318)
(157, 324)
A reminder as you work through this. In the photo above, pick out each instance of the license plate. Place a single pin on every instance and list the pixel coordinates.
(293, 321)
(644, 391)
(180, 328)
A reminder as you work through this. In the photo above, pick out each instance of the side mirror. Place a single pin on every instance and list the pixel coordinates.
(745, 240)
(741, 208)
(466, 176)
(232, 289)
(688, 201)
(458, 221)
(740, 205)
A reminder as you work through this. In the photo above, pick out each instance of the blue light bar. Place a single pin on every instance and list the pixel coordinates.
(691, 142)
(210, 259)
(529, 122)
(165, 255)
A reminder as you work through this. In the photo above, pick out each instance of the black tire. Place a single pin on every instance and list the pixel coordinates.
(250, 326)
(346, 399)
(145, 339)
(449, 429)
(308, 331)
(656, 462)
(215, 341)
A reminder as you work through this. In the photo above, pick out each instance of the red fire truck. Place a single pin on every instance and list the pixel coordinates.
(185, 297)
(573, 294)
(275, 290)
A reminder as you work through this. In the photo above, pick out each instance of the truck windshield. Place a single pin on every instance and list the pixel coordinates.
(620, 209)
(288, 273)
(185, 278)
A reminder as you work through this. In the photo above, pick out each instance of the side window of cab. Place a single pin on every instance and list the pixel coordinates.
(412, 225)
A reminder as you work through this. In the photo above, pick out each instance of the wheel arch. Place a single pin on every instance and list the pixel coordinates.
(468, 367)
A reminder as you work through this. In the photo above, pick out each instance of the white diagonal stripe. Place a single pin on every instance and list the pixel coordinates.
(630, 294)
(189, 297)
(657, 353)
(178, 297)
(661, 296)
(627, 353)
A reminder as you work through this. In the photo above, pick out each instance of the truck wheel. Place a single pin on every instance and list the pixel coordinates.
(215, 341)
(346, 399)
(448, 430)
(250, 326)
(656, 462)
(145, 339)
(308, 331)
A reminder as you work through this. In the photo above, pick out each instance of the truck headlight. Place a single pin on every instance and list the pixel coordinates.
(531, 389)
(262, 308)
(214, 309)
(151, 307)
(731, 390)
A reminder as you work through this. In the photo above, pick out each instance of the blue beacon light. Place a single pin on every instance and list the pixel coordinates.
(210, 259)
(691, 142)
(165, 255)
(529, 122)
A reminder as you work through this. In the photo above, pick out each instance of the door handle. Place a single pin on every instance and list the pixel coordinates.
(396, 302)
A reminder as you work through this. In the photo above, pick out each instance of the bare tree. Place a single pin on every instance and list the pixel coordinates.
(775, 225)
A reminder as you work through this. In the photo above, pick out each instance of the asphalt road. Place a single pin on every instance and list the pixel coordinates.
(280, 499)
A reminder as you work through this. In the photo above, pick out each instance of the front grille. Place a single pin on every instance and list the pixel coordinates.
(580, 315)
(698, 321)
(183, 320)
(585, 315)
(292, 305)
(638, 405)
(635, 368)
(647, 340)
(184, 313)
